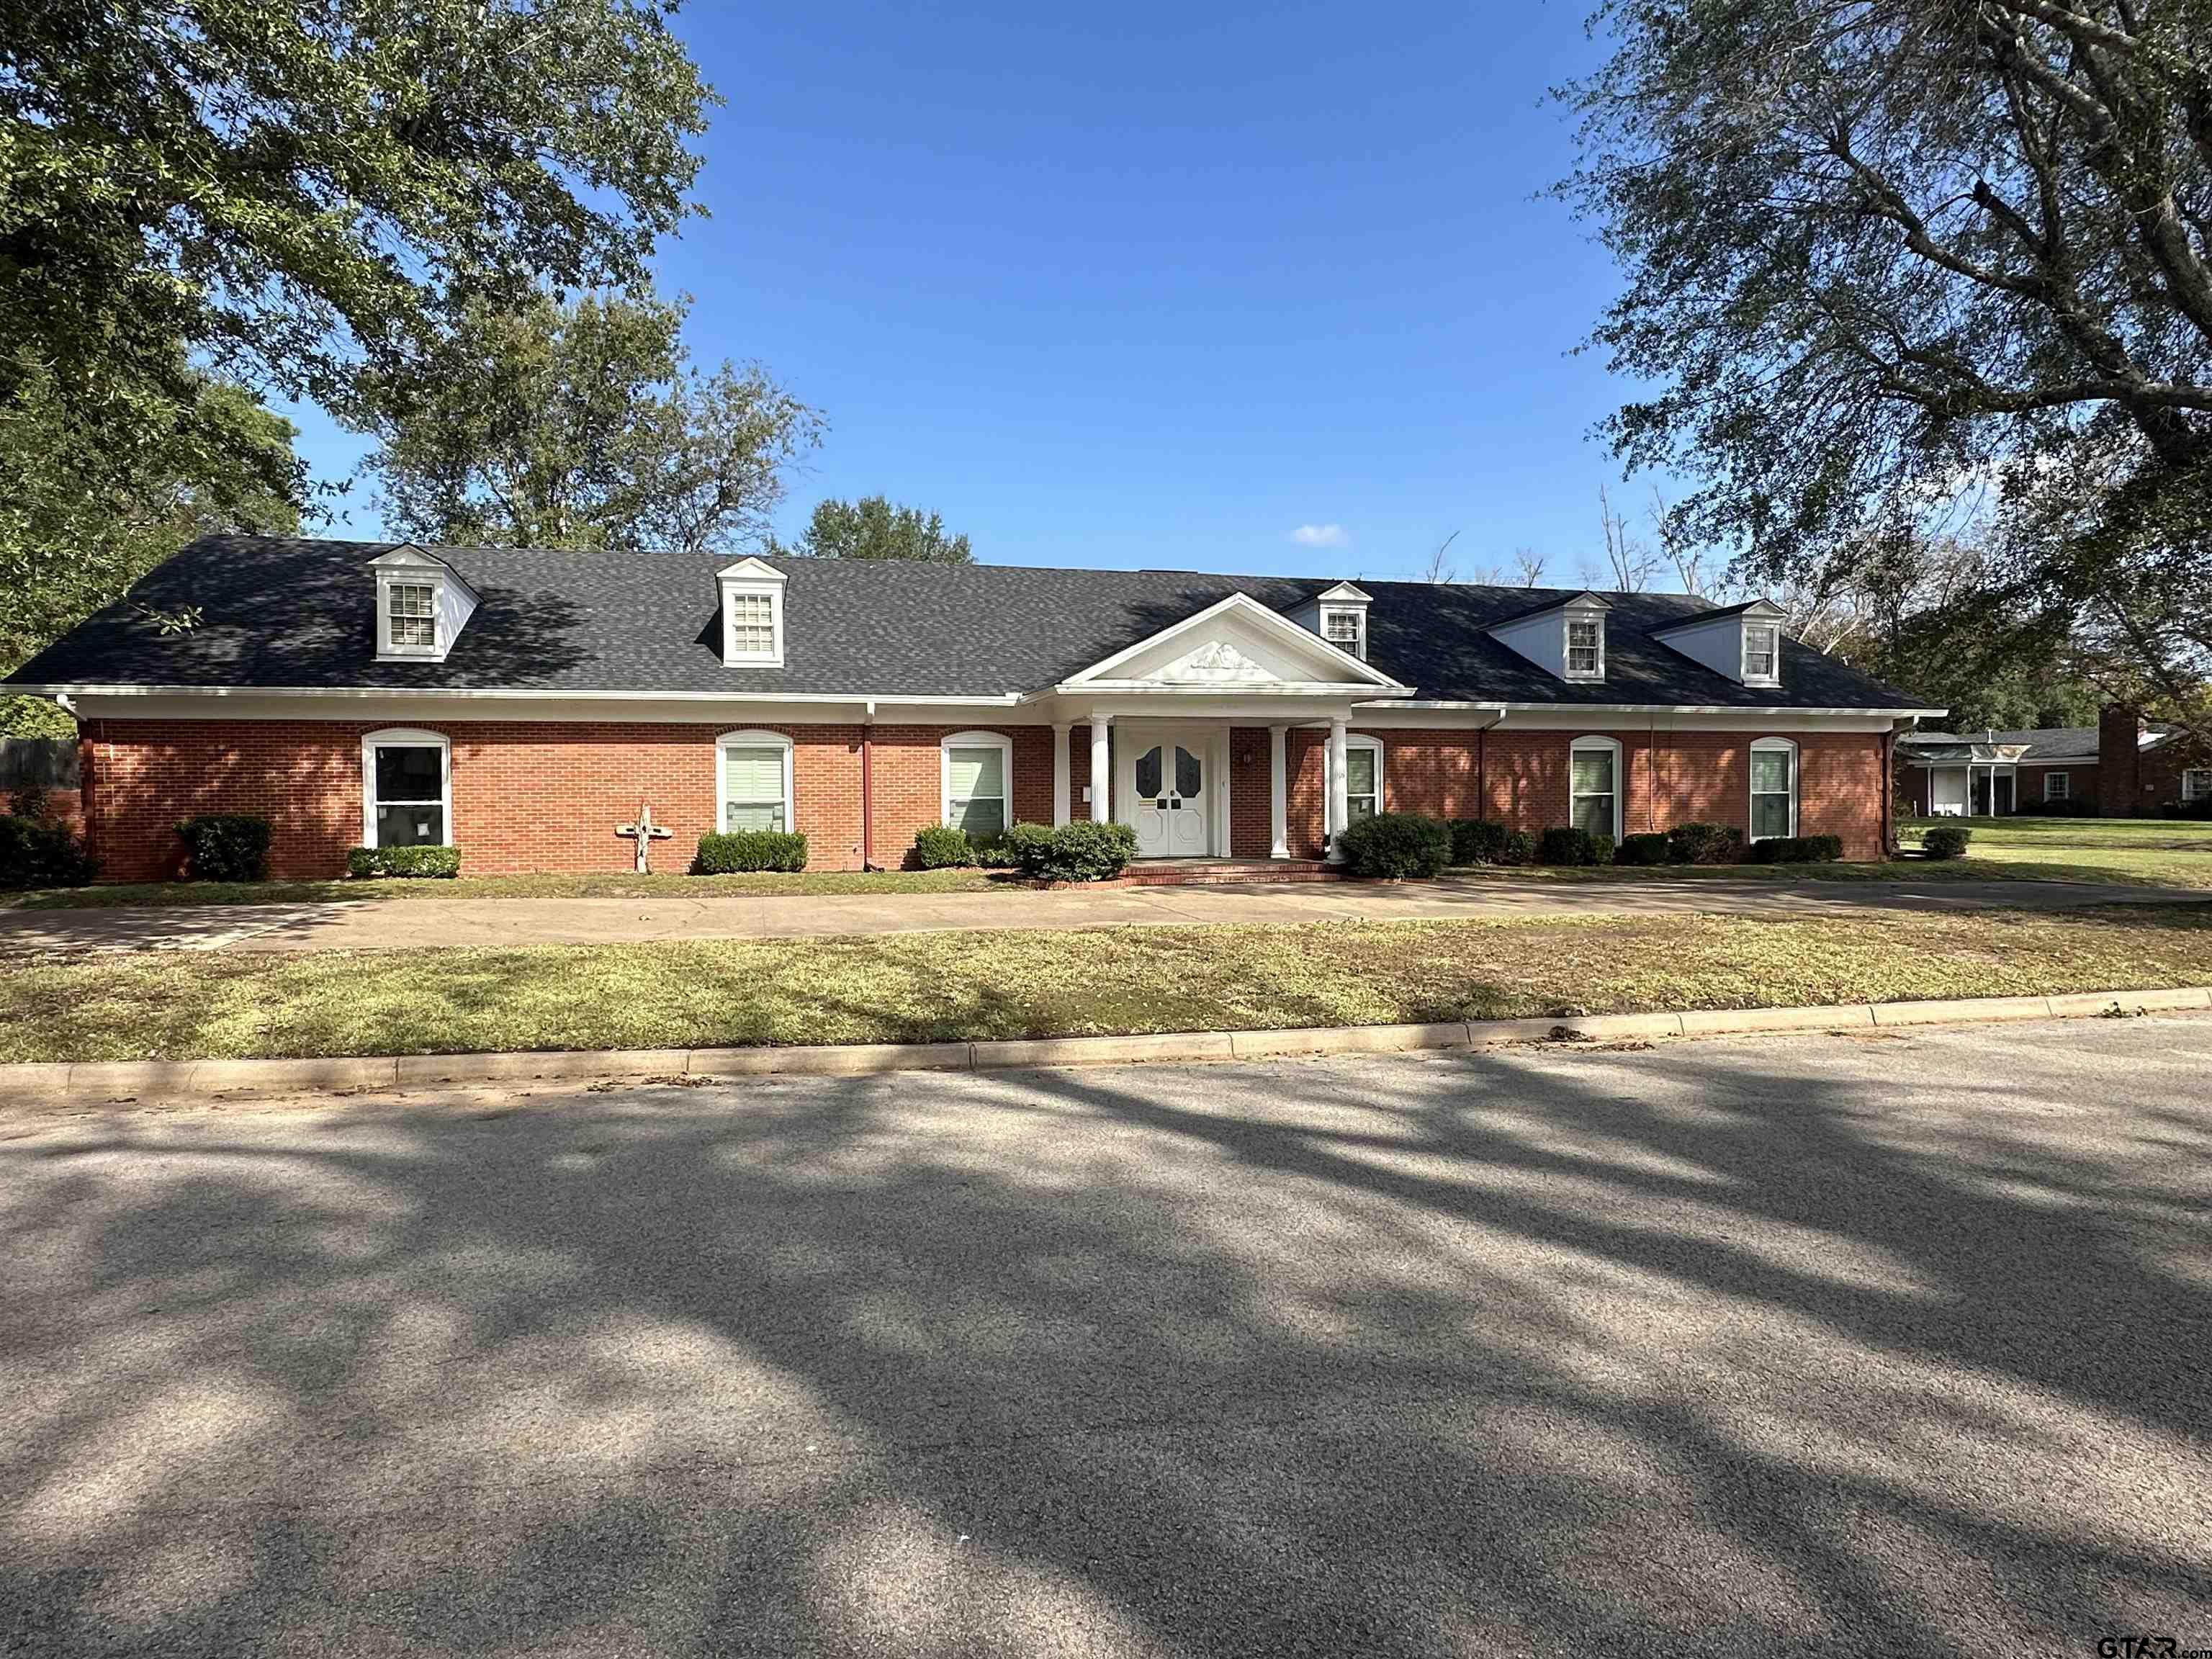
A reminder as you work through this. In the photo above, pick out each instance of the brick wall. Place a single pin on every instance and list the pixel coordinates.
(526, 795)
(1520, 778)
(2140, 782)
(2033, 782)
(543, 796)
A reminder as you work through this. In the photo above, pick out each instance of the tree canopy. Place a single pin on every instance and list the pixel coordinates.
(291, 191)
(1906, 262)
(81, 519)
(872, 528)
(584, 425)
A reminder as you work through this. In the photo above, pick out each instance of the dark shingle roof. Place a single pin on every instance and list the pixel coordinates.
(2049, 743)
(285, 612)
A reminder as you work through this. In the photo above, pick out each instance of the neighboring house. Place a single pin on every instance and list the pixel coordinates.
(2123, 766)
(522, 703)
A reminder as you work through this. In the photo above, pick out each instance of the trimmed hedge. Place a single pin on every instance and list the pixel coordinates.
(1077, 851)
(1797, 849)
(405, 863)
(1392, 845)
(1704, 843)
(36, 851)
(1478, 841)
(1946, 840)
(941, 847)
(2073, 806)
(734, 851)
(992, 852)
(1576, 848)
(226, 847)
(1641, 849)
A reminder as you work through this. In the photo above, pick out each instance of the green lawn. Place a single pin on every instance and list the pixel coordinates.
(2126, 851)
(942, 986)
(2172, 853)
(585, 886)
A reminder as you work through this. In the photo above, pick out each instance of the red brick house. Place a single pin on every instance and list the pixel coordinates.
(521, 703)
(2124, 765)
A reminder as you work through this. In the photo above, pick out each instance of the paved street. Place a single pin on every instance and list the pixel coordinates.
(405, 924)
(1886, 1345)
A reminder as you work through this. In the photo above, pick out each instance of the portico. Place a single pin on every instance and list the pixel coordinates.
(1162, 717)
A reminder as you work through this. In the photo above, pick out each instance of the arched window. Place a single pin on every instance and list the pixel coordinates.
(1773, 789)
(406, 789)
(976, 771)
(1594, 786)
(753, 780)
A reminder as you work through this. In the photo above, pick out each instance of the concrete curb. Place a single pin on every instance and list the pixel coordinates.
(113, 1081)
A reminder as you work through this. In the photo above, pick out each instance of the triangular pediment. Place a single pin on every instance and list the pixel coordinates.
(407, 556)
(1238, 642)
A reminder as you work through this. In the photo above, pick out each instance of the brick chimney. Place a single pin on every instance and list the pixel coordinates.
(2119, 760)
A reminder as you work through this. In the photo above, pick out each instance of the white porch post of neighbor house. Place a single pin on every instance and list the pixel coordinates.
(1340, 805)
(1102, 793)
(1279, 793)
(1061, 788)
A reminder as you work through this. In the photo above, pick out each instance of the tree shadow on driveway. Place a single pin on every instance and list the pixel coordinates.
(1878, 1347)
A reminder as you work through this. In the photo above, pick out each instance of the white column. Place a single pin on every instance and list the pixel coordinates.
(1339, 806)
(1102, 788)
(1060, 786)
(1279, 793)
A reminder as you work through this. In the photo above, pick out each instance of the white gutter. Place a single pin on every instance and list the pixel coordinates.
(999, 699)
(1676, 709)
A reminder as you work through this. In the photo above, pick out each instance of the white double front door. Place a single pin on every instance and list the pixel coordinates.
(1164, 784)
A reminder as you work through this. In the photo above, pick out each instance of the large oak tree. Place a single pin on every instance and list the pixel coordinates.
(1893, 262)
(295, 199)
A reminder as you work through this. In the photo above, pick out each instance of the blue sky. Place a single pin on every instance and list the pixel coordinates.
(1159, 285)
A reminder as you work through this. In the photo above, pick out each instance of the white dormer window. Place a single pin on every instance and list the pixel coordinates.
(1586, 647)
(1345, 628)
(1742, 643)
(1762, 655)
(411, 619)
(752, 625)
(422, 605)
(752, 614)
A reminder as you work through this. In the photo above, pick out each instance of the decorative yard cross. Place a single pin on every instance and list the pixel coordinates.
(644, 832)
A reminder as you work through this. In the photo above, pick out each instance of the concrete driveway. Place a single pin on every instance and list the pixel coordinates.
(411, 924)
(1886, 1345)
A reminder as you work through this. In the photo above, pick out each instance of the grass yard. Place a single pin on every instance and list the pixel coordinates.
(616, 886)
(2127, 851)
(942, 986)
(2154, 852)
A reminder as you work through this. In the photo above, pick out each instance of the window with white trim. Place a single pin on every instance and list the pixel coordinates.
(1762, 653)
(406, 789)
(1363, 778)
(2058, 785)
(752, 624)
(2197, 783)
(1345, 628)
(1773, 789)
(1585, 648)
(412, 616)
(1594, 786)
(753, 780)
(977, 775)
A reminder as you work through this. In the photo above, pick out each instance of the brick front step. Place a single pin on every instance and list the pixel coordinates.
(1222, 873)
